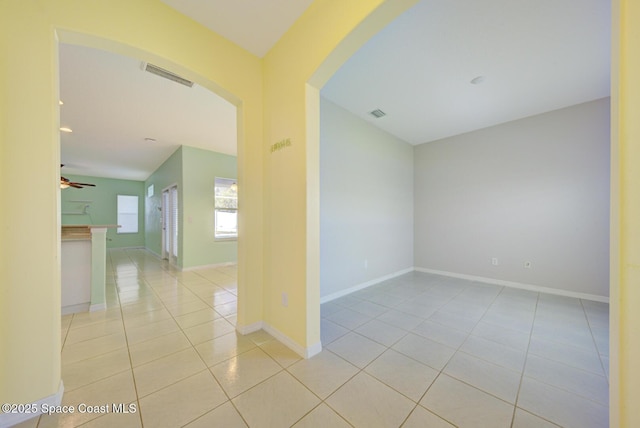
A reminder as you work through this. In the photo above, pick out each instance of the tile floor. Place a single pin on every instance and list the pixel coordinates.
(417, 351)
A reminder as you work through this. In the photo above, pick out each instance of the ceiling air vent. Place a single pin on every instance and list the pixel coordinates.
(377, 113)
(154, 69)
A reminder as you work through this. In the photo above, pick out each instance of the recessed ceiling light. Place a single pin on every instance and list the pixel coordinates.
(477, 80)
(60, 102)
(66, 129)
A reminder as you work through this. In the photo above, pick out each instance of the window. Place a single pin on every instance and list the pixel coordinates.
(127, 214)
(226, 206)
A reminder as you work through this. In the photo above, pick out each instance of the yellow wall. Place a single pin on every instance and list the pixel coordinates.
(29, 296)
(30, 274)
(625, 217)
(315, 46)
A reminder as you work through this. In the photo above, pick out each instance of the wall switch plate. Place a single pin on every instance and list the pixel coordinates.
(285, 299)
(366, 264)
(494, 261)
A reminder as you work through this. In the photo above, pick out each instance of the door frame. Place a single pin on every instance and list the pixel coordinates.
(169, 236)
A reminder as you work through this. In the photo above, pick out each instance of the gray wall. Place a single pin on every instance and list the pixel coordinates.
(366, 201)
(535, 189)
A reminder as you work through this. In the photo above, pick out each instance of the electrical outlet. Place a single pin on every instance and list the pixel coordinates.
(285, 299)
(527, 265)
(494, 261)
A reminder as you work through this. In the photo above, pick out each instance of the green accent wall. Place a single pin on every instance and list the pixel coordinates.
(193, 171)
(98, 205)
(200, 168)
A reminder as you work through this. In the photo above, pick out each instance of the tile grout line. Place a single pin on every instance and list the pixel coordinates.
(126, 338)
(526, 358)
(130, 370)
(361, 370)
(441, 372)
(457, 350)
(207, 368)
(595, 343)
(128, 347)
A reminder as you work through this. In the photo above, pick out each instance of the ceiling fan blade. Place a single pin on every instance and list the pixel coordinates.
(65, 181)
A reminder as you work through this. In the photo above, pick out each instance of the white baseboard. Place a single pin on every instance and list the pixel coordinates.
(97, 307)
(307, 352)
(313, 350)
(139, 247)
(10, 419)
(159, 257)
(211, 266)
(363, 285)
(250, 328)
(522, 286)
(282, 338)
(154, 253)
(72, 309)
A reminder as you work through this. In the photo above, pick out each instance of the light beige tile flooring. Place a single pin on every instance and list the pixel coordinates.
(416, 351)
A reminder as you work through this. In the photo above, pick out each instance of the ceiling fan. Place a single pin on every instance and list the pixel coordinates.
(66, 183)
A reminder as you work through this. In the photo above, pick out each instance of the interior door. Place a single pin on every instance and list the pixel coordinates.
(170, 224)
(173, 254)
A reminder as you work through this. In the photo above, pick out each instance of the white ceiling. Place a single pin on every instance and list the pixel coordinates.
(535, 56)
(256, 25)
(112, 105)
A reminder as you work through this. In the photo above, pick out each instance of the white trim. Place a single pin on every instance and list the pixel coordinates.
(226, 239)
(158, 256)
(10, 419)
(250, 328)
(190, 268)
(313, 350)
(282, 338)
(98, 307)
(359, 287)
(291, 344)
(512, 284)
(211, 266)
(165, 230)
(72, 309)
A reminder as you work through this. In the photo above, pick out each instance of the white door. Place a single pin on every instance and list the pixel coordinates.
(170, 224)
